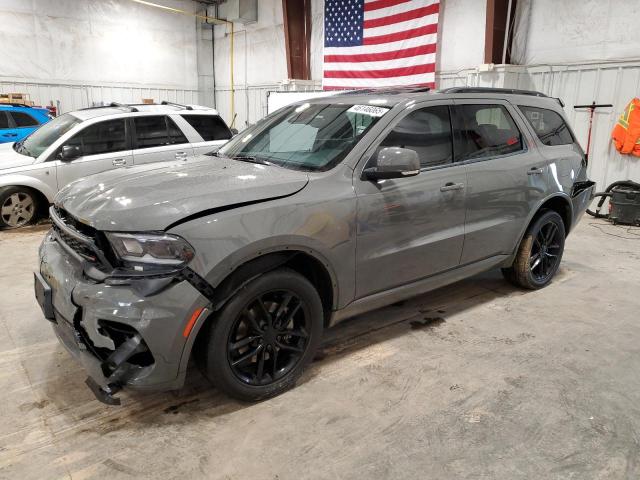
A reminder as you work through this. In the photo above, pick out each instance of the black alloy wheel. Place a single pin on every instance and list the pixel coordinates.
(269, 337)
(258, 344)
(546, 251)
(540, 252)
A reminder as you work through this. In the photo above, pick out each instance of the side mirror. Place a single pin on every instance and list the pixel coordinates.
(394, 162)
(70, 152)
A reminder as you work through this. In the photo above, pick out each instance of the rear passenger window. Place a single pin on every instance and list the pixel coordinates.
(103, 137)
(485, 131)
(157, 131)
(23, 119)
(4, 120)
(548, 125)
(427, 132)
(210, 127)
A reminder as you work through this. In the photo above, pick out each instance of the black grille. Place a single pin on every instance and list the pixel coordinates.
(72, 222)
(77, 246)
(83, 239)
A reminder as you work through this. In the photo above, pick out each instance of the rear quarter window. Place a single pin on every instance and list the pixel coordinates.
(22, 119)
(549, 126)
(4, 120)
(210, 127)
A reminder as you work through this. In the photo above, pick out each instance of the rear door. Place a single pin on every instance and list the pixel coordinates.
(212, 130)
(23, 123)
(104, 145)
(157, 138)
(411, 228)
(506, 176)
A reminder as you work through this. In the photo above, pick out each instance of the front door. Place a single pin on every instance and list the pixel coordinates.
(506, 176)
(103, 146)
(158, 139)
(411, 228)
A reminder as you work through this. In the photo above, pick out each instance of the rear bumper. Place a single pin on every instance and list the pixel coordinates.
(120, 336)
(582, 193)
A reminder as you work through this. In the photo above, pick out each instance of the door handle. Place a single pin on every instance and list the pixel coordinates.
(119, 162)
(449, 186)
(181, 155)
(9, 134)
(535, 171)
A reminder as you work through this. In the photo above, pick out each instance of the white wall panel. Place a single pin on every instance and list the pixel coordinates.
(73, 97)
(98, 42)
(576, 31)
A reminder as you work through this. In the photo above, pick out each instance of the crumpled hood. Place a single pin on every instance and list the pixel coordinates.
(9, 158)
(155, 196)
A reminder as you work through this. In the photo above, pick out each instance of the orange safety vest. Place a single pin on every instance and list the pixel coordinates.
(626, 133)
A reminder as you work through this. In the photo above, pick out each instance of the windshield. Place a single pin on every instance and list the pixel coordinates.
(312, 137)
(43, 137)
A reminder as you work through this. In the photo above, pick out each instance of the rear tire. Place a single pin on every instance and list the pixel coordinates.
(19, 206)
(539, 253)
(258, 345)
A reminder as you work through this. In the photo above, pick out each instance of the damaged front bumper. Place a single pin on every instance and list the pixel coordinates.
(121, 335)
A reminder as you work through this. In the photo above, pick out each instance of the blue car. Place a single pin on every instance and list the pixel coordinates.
(17, 121)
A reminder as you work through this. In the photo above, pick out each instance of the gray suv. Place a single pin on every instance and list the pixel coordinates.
(321, 211)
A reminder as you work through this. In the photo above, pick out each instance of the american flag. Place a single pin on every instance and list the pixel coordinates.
(377, 43)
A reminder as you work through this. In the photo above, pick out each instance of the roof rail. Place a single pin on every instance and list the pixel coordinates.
(15, 104)
(513, 91)
(173, 104)
(386, 90)
(122, 105)
(112, 105)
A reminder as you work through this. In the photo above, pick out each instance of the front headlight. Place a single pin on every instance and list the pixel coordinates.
(149, 251)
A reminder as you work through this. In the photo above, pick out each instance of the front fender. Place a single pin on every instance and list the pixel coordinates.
(284, 244)
(16, 179)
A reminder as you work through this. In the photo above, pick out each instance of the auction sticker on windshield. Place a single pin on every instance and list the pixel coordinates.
(368, 110)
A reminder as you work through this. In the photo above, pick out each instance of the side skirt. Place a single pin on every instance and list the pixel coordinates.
(403, 292)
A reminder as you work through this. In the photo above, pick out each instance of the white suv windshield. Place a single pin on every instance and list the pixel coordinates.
(305, 137)
(43, 137)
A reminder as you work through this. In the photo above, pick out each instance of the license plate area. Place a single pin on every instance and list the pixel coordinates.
(44, 296)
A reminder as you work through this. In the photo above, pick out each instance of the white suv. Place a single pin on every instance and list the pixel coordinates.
(96, 139)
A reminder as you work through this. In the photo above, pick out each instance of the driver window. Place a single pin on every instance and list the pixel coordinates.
(103, 137)
(426, 131)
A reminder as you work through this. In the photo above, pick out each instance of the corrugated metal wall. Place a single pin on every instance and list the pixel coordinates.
(614, 83)
(73, 97)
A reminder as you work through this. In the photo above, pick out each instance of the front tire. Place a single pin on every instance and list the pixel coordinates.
(18, 207)
(539, 253)
(260, 342)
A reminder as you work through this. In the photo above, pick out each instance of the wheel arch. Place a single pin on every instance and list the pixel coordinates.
(41, 199)
(308, 262)
(13, 180)
(559, 203)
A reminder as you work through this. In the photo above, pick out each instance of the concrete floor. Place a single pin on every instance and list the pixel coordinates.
(476, 380)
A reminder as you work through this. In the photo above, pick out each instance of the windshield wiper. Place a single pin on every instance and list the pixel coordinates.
(21, 149)
(250, 159)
